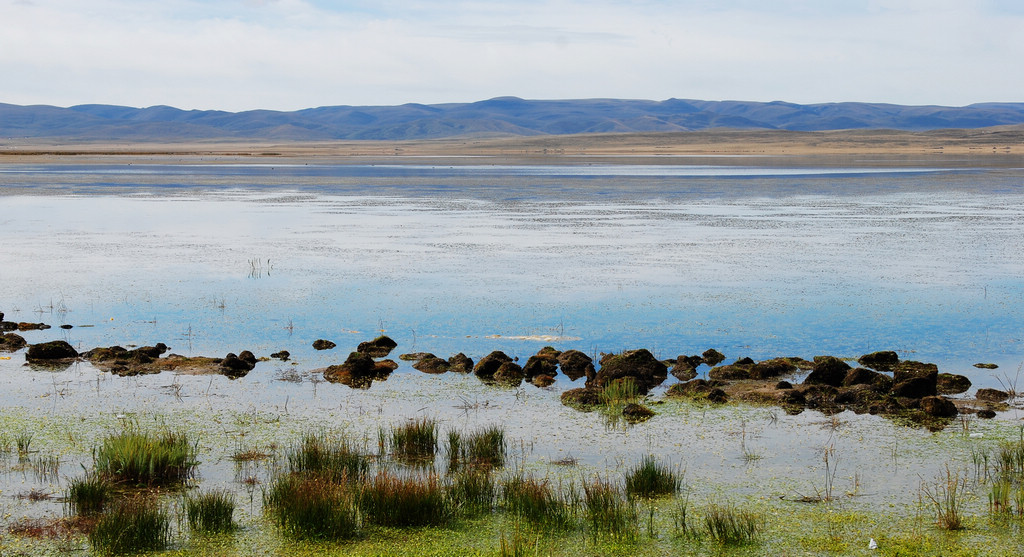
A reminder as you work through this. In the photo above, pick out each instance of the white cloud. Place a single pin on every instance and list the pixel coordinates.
(289, 54)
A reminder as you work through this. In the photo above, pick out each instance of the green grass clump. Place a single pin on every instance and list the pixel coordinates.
(415, 440)
(484, 448)
(313, 508)
(133, 525)
(329, 459)
(651, 479)
(729, 525)
(620, 392)
(538, 502)
(608, 511)
(210, 512)
(390, 500)
(149, 459)
(948, 495)
(472, 492)
(88, 495)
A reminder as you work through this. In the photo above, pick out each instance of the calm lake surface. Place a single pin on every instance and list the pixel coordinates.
(753, 257)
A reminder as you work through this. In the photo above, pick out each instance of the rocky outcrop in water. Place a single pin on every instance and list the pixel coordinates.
(52, 351)
(9, 342)
(379, 347)
(640, 365)
(323, 344)
(575, 364)
(359, 371)
(489, 364)
(238, 366)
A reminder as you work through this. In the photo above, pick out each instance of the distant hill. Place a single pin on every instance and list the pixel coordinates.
(494, 117)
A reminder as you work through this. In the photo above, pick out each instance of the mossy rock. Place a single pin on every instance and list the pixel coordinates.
(9, 342)
(379, 347)
(584, 398)
(53, 350)
(952, 384)
(636, 413)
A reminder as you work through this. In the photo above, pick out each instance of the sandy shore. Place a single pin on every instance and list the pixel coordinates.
(996, 146)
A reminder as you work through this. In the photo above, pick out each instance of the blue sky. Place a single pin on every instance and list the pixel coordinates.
(292, 54)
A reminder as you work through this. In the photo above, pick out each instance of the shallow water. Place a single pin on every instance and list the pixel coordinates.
(753, 260)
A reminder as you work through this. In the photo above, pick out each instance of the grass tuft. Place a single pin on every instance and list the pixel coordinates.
(608, 511)
(416, 440)
(88, 495)
(390, 500)
(651, 479)
(148, 459)
(210, 512)
(947, 495)
(133, 525)
(333, 460)
(538, 502)
(484, 448)
(472, 492)
(729, 525)
(313, 508)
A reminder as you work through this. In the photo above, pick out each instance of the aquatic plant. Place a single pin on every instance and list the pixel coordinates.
(472, 491)
(620, 391)
(88, 495)
(23, 440)
(483, 448)
(332, 459)
(210, 512)
(538, 502)
(608, 511)
(142, 458)
(133, 525)
(313, 508)
(947, 495)
(415, 440)
(390, 500)
(730, 525)
(651, 479)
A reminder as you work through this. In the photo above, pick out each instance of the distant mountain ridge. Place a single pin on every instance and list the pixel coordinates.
(498, 116)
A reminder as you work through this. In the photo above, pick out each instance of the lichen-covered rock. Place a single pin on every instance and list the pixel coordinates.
(358, 371)
(542, 380)
(864, 376)
(575, 364)
(731, 372)
(48, 351)
(508, 374)
(460, 363)
(828, 370)
(639, 364)
(952, 384)
(489, 364)
(584, 398)
(379, 347)
(323, 344)
(698, 390)
(884, 360)
(636, 413)
(415, 356)
(541, 364)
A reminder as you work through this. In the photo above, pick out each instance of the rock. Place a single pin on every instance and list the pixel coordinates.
(460, 363)
(416, 356)
(321, 344)
(32, 326)
(863, 376)
(53, 350)
(986, 414)
(282, 355)
(9, 342)
(915, 379)
(358, 371)
(383, 368)
(684, 369)
(951, 384)
(820, 396)
(238, 366)
(378, 347)
(992, 395)
(542, 380)
(639, 364)
(575, 364)
(938, 406)
(698, 390)
(730, 372)
(8, 326)
(771, 368)
(540, 365)
(880, 361)
(828, 370)
(782, 385)
(585, 398)
(712, 357)
(508, 374)
(549, 352)
(636, 413)
(432, 364)
(489, 364)
(67, 327)
(986, 366)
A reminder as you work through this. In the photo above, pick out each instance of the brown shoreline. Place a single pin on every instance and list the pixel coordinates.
(994, 146)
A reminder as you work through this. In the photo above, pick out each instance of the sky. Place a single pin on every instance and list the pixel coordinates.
(239, 55)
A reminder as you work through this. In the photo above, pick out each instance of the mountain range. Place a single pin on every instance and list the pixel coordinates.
(494, 117)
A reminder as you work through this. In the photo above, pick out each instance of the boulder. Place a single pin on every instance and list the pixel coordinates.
(432, 364)
(321, 344)
(639, 364)
(986, 414)
(828, 370)
(636, 413)
(540, 365)
(8, 326)
(9, 342)
(585, 398)
(53, 350)
(460, 363)
(951, 384)
(880, 361)
(238, 366)
(542, 380)
(769, 369)
(915, 379)
(358, 371)
(864, 376)
(712, 357)
(416, 356)
(489, 364)
(508, 374)
(379, 347)
(938, 406)
(730, 372)
(986, 366)
(683, 369)
(575, 364)
(992, 395)
(698, 390)
(32, 326)
(282, 355)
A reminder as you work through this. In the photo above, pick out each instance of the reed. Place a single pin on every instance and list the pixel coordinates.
(538, 502)
(651, 479)
(329, 459)
(88, 495)
(947, 495)
(210, 512)
(730, 525)
(483, 448)
(415, 440)
(133, 525)
(608, 511)
(472, 492)
(148, 459)
(620, 391)
(313, 508)
(390, 500)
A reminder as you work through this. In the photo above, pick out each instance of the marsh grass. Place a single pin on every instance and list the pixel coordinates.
(538, 502)
(415, 440)
(484, 448)
(608, 511)
(651, 479)
(518, 543)
(472, 492)
(999, 497)
(417, 500)
(210, 512)
(23, 440)
(331, 459)
(132, 525)
(46, 468)
(620, 392)
(947, 496)
(88, 495)
(730, 525)
(141, 458)
(311, 507)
